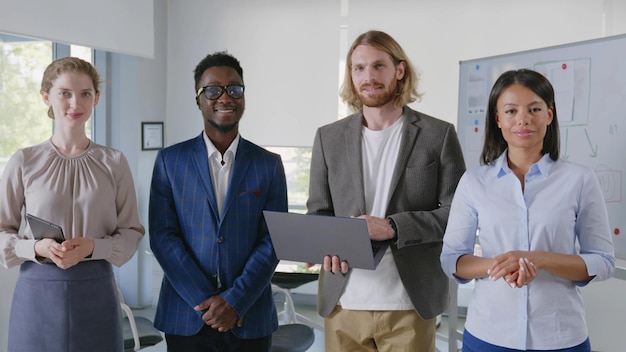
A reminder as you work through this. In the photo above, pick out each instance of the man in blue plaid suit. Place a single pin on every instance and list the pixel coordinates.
(206, 224)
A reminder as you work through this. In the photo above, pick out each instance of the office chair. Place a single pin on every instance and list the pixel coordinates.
(138, 332)
(283, 282)
(292, 338)
(291, 335)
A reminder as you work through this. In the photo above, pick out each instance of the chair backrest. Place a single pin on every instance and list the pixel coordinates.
(139, 332)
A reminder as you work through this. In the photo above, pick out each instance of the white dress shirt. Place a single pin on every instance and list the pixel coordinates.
(561, 209)
(220, 167)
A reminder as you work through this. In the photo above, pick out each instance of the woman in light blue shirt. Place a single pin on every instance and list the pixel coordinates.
(542, 224)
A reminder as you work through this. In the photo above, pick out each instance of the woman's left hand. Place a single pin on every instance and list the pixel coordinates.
(526, 273)
(515, 267)
(71, 252)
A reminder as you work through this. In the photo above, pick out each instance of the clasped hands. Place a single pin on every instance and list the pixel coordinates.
(66, 254)
(514, 267)
(219, 314)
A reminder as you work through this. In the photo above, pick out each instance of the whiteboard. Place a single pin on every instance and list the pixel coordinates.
(589, 80)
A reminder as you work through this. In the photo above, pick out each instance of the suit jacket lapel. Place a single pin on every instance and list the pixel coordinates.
(409, 136)
(354, 156)
(238, 173)
(200, 161)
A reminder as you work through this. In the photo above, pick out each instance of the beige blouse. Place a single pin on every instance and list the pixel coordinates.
(90, 195)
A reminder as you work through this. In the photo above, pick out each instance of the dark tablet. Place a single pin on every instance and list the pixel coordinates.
(45, 229)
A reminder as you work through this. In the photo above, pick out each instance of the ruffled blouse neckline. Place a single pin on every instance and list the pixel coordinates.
(77, 156)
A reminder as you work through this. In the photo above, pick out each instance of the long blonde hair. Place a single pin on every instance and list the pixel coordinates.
(407, 86)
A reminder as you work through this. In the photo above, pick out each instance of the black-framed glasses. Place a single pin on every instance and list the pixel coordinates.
(214, 92)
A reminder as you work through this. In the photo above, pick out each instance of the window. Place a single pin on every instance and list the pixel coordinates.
(23, 115)
(86, 54)
(297, 162)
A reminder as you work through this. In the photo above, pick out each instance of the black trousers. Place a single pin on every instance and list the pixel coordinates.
(211, 340)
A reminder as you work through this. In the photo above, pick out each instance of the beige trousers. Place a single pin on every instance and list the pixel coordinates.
(384, 331)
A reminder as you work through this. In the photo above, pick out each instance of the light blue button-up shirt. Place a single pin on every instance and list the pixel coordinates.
(561, 209)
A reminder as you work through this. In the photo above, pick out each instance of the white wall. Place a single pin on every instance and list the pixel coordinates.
(138, 95)
(290, 50)
(289, 54)
(114, 25)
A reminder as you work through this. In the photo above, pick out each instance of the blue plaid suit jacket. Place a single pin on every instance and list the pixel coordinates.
(194, 245)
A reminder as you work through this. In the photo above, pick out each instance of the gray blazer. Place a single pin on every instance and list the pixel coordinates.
(429, 166)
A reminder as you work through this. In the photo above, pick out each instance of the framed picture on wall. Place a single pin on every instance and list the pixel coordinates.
(151, 135)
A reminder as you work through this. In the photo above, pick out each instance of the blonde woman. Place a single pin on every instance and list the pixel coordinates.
(65, 298)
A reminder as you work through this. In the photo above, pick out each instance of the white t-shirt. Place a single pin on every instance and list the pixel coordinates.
(379, 289)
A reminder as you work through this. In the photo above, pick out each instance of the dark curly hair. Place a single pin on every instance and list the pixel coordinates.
(220, 58)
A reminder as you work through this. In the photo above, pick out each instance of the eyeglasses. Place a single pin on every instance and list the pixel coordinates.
(214, 92)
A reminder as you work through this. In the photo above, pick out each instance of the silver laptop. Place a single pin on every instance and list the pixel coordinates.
(308, 238)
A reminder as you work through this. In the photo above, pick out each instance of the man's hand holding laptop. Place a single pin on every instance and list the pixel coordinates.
(379, 230)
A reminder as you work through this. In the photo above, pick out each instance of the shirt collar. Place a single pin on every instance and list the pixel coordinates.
(214, 153)
(541, 167)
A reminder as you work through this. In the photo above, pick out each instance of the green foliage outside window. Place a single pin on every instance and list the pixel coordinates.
(297, 162)
(23, 115)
